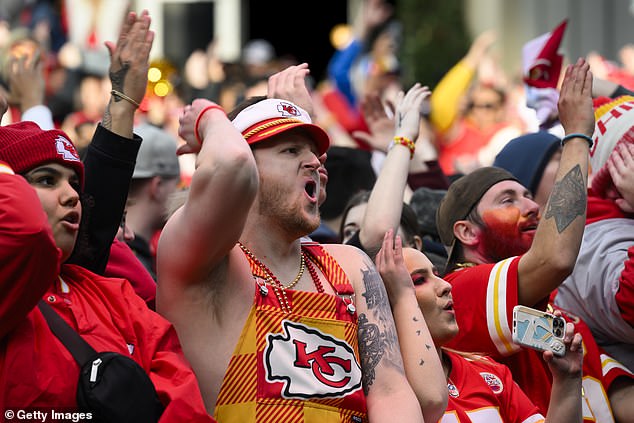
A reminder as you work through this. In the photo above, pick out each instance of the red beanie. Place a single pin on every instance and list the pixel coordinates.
(24, 145)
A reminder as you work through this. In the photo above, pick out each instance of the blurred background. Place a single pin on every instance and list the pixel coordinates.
(225, 49)
(435, 33)
(469, 52)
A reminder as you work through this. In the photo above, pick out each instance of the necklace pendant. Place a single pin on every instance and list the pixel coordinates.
(264, 291)
(351, 308)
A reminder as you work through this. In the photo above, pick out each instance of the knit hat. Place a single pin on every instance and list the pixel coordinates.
(614, 125)
(526, 157)
(462, 196)
(157, 155)
(271, 117)
(24, 145)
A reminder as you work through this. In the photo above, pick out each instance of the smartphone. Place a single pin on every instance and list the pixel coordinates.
(539, 330)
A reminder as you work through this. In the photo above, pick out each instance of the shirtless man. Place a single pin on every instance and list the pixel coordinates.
(272, 327)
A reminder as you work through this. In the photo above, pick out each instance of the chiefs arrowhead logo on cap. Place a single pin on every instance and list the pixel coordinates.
(66, 149)
(288, 110)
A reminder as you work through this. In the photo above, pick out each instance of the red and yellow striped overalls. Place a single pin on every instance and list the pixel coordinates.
(301, 366)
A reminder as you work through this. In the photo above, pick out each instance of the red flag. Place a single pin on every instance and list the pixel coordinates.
(542, 62)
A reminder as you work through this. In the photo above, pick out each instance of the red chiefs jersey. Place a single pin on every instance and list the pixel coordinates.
(483, 391)
(484, 297)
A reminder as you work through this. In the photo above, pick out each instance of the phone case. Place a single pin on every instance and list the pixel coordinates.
(539, 330)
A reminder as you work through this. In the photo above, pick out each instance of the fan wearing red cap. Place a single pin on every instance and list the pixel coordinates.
(50, 163)
(274, 325)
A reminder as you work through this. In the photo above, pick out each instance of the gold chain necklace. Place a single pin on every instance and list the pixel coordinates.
(278, 288)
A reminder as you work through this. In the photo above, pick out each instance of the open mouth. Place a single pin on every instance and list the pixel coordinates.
(448, 306)
(310, 188)
(72, 218)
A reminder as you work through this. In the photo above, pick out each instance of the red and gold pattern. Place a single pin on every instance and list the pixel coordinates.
(248, 395)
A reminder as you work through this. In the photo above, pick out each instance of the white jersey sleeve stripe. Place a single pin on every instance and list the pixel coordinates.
(608, 363)
(535, 418)
(497, 318)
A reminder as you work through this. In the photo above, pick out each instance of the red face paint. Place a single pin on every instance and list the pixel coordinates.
(506, 233)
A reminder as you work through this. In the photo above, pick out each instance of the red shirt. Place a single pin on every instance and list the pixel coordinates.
(36, 370)
(484, 297)
(483, 391)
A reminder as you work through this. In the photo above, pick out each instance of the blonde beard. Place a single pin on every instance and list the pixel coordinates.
(291, 217)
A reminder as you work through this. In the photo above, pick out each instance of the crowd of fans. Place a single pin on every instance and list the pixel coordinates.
(462, 200)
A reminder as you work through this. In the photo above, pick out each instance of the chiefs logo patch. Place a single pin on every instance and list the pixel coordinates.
(453, 391)
(288, 110)
(310, 363)
(493, 381)
(66, 149)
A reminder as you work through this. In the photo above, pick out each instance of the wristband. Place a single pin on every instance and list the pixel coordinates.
(200, 115)
(122, 96)
(568, 137)
(405, 142)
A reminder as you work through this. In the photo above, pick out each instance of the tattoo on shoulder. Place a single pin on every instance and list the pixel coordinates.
(568, 199)
(377, 341)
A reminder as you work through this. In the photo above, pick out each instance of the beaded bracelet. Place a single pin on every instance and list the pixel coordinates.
(405, 142)
(200, 115)
(568, 137)
(122, 96)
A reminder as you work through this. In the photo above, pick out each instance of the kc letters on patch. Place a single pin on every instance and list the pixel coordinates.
(310, 363)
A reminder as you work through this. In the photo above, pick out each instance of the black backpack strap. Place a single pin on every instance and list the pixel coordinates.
(80, 349)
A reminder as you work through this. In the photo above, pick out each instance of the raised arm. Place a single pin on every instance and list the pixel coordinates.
(554, 250)
(445, 101)
(110, 157)
(565, 398)
(200, 234)
(386, 199)
(420, 358)
(27, 86)
(128, 73)
(370, 14)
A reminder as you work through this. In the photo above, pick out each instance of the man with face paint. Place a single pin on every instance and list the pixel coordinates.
(503, 252)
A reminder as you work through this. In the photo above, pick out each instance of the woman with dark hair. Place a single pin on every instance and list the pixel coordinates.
(480, 389)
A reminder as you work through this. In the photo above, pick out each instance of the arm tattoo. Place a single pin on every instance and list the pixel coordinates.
(568, 199)
(106, 121)
(400, 120)
(370, 350)
(117, 78)
(377, 341)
